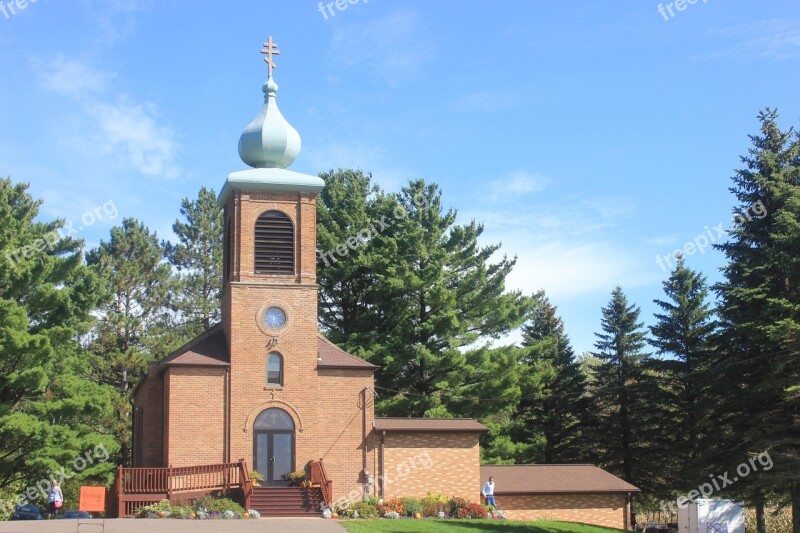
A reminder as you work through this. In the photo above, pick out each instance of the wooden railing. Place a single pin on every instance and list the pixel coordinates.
(140, 486)
(318, 477)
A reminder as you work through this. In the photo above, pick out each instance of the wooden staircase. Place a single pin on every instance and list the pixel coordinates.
(287, 501)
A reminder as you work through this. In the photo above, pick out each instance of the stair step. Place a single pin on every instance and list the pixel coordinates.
(287, 501)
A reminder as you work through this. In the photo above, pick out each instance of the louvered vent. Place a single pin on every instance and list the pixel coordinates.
(228, 266)
(274, 244)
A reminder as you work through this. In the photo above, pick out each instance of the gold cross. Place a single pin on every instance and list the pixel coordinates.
(270, 50)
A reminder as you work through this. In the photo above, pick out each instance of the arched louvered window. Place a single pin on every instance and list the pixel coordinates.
(274, 244)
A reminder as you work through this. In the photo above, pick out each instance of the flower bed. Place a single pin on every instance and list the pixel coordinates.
(431, 506)
(203, 509)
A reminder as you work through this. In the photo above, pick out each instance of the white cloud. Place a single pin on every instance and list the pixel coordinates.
(516, 184)
(662, 240)
(71, 78)
(131, 132)
(392, 46)
(568, 269)
(127, 131)
(776, 39)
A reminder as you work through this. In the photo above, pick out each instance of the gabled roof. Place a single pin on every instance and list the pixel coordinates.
(549, 479)
(430, 424)
(331, 356)
(209, 349)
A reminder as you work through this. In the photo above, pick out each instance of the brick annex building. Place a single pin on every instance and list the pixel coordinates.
(264, 387)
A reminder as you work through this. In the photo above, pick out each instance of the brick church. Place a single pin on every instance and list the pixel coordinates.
(264, 386)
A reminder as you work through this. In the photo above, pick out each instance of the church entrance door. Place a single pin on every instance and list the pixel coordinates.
(273, 447)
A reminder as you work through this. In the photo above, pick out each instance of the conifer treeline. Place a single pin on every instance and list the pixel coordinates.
(702, 391)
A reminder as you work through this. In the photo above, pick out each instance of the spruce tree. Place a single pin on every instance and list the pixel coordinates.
(553, 403)
(758, 368)
(620, 383)
(682, 336)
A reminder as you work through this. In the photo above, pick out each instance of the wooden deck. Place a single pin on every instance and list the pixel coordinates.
(137, 487)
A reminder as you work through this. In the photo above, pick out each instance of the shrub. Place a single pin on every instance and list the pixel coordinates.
(395, 505)
(343, 507)
(412, 506)
(364, 510)
(457, 505)
(477, 510)
(212, 505)
(433, 504)
(392, 514)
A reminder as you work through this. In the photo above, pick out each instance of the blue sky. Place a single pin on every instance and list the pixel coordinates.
(589, 136)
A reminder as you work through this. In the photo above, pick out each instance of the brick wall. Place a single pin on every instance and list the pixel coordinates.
(326, 406)
(195, 418)
(446, 463)
(149, 399)
(606, 510)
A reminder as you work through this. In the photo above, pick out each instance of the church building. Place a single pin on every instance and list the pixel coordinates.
(264, 385)
(266, 390)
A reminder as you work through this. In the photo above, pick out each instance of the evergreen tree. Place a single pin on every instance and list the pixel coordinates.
(758, 368)
(553, 401)
(622, 421)
(426, 304)
(682, 336)
(136, 317)
(198, 258)
(49, 412)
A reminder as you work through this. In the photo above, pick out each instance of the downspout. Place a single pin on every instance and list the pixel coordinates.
(364, 465)
(226, 445)
(383, 473)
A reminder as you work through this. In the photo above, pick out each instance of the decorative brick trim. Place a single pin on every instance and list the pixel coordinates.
(251, 418)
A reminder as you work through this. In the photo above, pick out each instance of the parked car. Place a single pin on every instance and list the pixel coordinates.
(26, 512)
(76, 514)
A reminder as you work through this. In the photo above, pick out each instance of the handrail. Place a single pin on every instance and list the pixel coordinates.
(246, 483)
(176, 479)
(318, 475)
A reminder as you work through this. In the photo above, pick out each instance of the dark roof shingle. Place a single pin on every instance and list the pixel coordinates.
(331, 356)
(429, 424)
(548, 479)
(209, 349)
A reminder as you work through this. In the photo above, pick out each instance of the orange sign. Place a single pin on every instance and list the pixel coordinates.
(93, 499)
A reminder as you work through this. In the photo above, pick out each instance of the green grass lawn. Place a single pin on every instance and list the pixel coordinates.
(467, 526)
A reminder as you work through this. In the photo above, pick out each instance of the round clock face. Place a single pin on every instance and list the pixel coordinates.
(275, 317)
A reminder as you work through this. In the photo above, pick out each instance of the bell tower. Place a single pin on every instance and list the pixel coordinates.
(269, 303)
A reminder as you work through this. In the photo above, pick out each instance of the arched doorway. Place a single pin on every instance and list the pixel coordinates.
(273, 446)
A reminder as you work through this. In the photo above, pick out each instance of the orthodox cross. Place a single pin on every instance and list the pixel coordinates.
(270, 50)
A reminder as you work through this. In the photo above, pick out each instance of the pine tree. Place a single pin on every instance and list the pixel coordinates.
(421, 299)
(682, 335)
(198, 258)
(554, 401)
(131, 330)
(619, 388)
(49, 411)
(758, 368)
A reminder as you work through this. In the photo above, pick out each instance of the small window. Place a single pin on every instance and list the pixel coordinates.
(274, 370)
(274, 244)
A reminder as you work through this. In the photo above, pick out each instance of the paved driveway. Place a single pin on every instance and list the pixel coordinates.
(130, 525)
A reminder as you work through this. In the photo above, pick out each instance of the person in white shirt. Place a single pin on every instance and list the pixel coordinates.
(488, 492)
